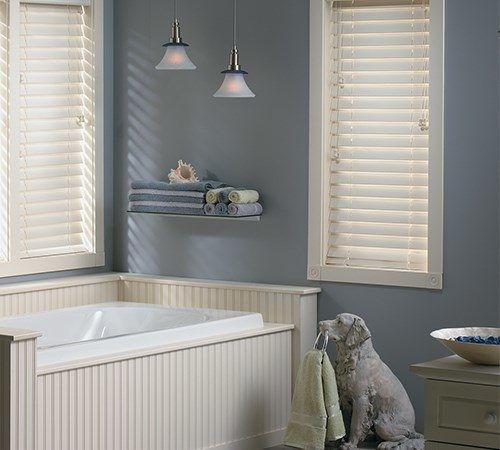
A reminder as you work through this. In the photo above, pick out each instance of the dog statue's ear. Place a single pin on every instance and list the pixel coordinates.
(358, 333)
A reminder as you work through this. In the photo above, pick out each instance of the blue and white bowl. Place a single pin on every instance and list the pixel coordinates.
(487, 354)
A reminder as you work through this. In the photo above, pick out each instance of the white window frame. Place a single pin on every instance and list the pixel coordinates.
(318, 157)
(15, 265)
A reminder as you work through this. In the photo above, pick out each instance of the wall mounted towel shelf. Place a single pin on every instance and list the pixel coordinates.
(239, 218)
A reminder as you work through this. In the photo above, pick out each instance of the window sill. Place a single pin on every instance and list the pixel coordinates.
(376, 276)
(47, 264)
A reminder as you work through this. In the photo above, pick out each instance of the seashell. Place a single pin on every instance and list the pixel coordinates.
(183, 173)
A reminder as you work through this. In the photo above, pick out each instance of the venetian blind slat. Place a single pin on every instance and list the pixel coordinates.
(56, 141)
(379, 74)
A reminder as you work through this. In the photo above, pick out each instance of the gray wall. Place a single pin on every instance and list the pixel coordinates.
(108, 160)
(163, 116)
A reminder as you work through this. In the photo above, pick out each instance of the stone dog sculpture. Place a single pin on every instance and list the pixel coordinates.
(372, 399)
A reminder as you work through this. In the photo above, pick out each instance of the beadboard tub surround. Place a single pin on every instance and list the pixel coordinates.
(277, 303)
(227, 392)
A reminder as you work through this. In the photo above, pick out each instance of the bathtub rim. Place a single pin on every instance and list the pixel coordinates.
(268, 328)
(19, 333)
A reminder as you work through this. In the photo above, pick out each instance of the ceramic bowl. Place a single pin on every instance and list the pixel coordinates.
(488, 354)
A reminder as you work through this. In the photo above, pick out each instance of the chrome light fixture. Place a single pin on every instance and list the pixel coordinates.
(175, 57)
(234, 84)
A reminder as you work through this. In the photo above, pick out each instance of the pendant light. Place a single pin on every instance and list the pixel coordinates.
(234, 84)
(175, 57)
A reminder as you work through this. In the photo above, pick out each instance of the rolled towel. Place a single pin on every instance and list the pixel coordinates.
(224, 196)
(244, 196)
(197, 186)
(209, 209)
(214, 194)
(167, 208)
(164, 198)
(220, 209)
(244, 209)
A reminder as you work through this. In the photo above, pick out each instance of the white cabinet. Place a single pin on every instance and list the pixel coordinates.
(462, 404)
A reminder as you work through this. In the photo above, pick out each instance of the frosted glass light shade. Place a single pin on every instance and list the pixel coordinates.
(175, 58)
(234, 85)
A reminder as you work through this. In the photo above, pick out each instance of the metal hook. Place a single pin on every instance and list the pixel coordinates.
(325, 341)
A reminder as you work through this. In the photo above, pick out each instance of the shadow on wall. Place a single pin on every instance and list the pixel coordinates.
(163, 116)
(141, 138)
(145, 159)
(146, 155)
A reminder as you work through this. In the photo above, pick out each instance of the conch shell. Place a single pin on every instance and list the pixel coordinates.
(183, 173)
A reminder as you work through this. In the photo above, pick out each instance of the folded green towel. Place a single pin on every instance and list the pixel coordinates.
(213, 194)
(314, 418)
(244, 196)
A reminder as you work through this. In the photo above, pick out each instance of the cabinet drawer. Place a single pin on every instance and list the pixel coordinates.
(464, 414)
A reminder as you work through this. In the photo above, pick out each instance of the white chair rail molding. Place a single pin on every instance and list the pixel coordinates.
(147, 362)
(376, 145)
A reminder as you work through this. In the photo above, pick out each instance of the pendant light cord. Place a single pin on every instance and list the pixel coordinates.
(234, 23)
(175, 10)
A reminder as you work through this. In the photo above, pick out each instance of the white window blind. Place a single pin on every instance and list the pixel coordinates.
(378, 136)
(57, 189)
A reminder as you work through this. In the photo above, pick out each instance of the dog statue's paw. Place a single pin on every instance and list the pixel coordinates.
(407, 444)
(387, 445)
(348, 446)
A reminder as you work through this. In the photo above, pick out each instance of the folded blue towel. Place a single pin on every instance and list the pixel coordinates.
(192, 194)
(165, 209)
(163, 198)
(244, 209)
(220, 209)
(209, 209)
(197, 186)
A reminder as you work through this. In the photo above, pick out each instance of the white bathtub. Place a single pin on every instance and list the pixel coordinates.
(104, 329)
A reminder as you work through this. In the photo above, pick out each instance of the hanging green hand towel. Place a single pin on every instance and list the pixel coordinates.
(314, 419)
(335, 428)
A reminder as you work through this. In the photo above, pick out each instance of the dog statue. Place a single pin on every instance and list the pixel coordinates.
(372, 399)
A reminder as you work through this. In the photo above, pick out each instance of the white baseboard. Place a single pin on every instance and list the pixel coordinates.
(256, 442)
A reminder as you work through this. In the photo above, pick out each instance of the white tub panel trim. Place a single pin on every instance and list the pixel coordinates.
(14, 334)
(269, 328)
(234, 285)
(57, 283)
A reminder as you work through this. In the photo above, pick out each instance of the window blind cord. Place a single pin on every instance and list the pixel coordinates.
(92, 130)
(335, 56)
(412, 131)
(351, 139)
(424, 117)
(23, 152)
(425, 105)
(68, 155)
